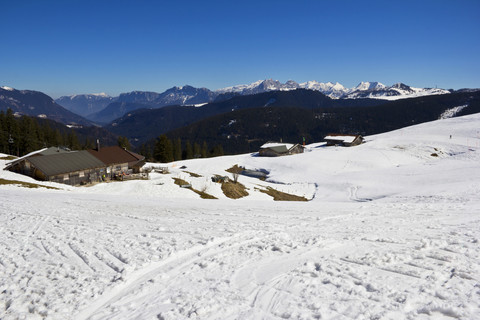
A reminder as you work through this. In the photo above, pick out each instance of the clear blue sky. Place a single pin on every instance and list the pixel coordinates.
(70, 47)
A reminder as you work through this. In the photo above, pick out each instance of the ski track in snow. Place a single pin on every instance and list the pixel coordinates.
(379, 260)
(399, 242)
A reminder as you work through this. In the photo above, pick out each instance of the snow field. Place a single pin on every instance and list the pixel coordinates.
(392, 232)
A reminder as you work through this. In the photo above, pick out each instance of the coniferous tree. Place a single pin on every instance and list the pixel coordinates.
(12, 130)
(148, 152)
(197, 152)
(72, 140)
(123, 142)
(3, 134)
(28, 138)
(145, 151)
(177, 149)
(204, 151)
(57, 139)
(163, 151)
(188, 152)
(217, 151)
(89, 144)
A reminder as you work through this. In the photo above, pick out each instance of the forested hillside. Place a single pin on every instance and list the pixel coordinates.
(146, 124)
(245, 130)
(22, 135)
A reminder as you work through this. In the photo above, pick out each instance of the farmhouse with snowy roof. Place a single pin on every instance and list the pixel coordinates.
(276, 149)
(344, 140)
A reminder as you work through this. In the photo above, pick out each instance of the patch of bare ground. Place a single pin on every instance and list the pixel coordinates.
(184, 184)
(24, 184)
(8, 158)
(193, 174)
(281, 196)
(235, 169)
(234, 190)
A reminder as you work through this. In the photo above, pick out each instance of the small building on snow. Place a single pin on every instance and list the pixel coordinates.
(344, 140)
(77, 167)
(276, 149)
(73, 168)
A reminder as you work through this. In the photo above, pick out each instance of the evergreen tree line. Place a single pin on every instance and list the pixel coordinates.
(22, 135)
(164, 150)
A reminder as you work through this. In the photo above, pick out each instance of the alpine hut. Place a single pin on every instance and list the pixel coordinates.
(276, 149)
(344, 140)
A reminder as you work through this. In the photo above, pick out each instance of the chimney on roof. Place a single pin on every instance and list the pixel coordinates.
(98, 144)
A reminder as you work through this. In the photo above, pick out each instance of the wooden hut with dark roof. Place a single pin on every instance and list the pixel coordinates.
(73, 168)
(118, 160)
(21, 165)
(77, 167)
(276, 149)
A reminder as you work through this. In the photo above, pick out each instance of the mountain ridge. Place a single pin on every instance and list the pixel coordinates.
(38, 104)
(189, 95)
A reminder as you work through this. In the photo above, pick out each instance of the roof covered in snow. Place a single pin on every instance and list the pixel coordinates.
(270, 145)
(343, 138)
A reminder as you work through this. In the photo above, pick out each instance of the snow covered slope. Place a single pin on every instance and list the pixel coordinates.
(392, 232)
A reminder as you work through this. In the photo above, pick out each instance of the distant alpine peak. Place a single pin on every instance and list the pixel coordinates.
(363, 86)
(7, 88)
(85, 96)
(260, 86)
(315, 85)
(101, 94)
(400, 85)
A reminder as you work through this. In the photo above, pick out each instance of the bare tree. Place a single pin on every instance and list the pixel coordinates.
(236, 170)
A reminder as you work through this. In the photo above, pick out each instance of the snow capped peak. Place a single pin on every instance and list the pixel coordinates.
(101, 94)
(363, 86)
(239, 88)
(315, 85)
(7, 88)
(401, 86)
(85, 96)
(291, 83)
(260, 86)
(333, 90)
(376, 90)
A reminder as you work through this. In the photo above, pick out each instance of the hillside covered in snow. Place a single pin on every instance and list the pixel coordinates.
(391, 231)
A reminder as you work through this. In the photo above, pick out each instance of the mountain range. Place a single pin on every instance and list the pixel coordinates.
(241, 123)
(103, 109)
(38, 104)
(242, 117)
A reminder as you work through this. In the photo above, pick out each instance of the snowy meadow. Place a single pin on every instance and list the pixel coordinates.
(391, 231)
